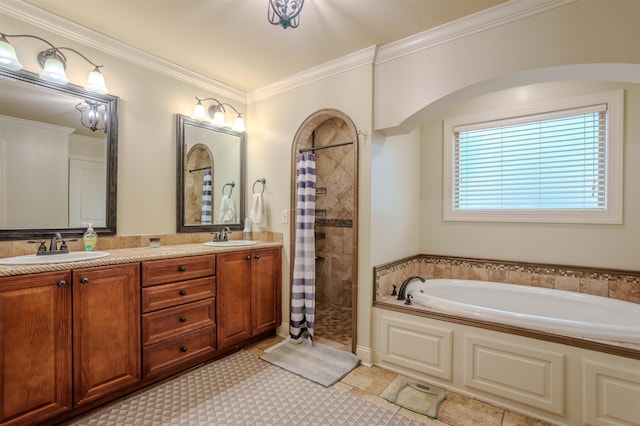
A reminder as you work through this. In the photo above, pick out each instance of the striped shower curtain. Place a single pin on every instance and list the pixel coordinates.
(304, 267)
(205, 217)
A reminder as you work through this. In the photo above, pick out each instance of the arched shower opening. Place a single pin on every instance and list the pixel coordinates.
(333, 138)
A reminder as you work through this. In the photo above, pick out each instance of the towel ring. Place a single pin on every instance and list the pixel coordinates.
(231, 184)
(262, 181)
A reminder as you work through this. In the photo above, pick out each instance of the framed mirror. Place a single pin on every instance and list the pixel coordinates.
(58, 171)
(210, 176)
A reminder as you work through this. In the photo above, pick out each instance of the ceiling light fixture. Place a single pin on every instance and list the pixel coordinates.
(216, 112)
(285, 12)
(94, 115)
(53, 63)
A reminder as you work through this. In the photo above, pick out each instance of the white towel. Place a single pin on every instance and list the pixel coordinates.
(257, 213)
(227, 210)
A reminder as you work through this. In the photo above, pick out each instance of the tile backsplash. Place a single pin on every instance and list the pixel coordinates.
(22, 247)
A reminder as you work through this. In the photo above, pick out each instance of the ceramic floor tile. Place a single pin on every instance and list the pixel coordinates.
(370, 379)
(459, 410)
(514, 419)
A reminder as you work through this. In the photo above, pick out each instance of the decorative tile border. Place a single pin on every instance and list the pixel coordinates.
(618, 284)
(335, 223)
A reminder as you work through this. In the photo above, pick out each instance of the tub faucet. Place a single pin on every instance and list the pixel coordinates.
(403, 287)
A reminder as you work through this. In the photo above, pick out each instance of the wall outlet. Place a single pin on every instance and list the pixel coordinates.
(285, 216)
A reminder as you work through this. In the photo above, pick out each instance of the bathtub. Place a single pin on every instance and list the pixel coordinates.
(553, 311)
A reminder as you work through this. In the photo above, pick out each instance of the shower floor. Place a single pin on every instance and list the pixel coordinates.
(333, 322)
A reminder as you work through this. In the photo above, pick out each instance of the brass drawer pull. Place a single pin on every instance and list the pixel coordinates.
(183, 349)
(183, 319)
(183, 292)
(182, 268)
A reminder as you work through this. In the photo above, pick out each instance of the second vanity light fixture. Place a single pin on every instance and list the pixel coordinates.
(216, 112)
(53, 63)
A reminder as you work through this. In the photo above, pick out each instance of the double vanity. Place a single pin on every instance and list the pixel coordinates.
(78, 334)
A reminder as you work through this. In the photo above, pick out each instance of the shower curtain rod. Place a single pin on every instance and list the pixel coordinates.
(201, 168)
(324, 147)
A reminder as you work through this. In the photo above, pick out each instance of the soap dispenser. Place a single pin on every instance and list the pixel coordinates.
(90, 239)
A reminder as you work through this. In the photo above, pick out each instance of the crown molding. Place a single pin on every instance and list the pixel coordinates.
(501, 14)
(63, 27)
(498, 15)
(345, 63)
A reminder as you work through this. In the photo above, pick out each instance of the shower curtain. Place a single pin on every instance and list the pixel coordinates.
(304, 267)
(205, 217)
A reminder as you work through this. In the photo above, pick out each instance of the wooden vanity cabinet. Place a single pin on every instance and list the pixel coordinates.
(178, 319)
(44, 372)
(106, 330)
(35, 350)
(249, 294)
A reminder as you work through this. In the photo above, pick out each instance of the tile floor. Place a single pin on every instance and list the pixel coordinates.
(374, 383)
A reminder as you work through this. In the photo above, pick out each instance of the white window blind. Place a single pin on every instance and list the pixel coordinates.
(547, 161)
(555, 161)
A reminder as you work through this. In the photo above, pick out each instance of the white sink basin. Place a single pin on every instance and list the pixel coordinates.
(230, 243)
(74, 256)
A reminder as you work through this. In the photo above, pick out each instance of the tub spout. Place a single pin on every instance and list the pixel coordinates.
(403, 287)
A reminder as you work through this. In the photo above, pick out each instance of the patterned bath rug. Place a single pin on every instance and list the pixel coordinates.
(316, 362)
(418, 398)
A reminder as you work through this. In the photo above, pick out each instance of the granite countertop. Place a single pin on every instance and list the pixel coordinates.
(132, 255)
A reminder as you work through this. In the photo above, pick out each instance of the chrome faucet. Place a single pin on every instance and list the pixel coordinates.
(403, 287)
(53, 247)
(223, 235)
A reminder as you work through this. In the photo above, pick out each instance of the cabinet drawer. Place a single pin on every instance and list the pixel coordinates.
(171, 270)
(179, 351)
(172, 322)
(169, 295)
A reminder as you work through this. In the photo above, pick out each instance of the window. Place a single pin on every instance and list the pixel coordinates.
(557, 162)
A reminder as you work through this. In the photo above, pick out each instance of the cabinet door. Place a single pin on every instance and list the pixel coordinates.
(266, 284)
(35, 348)
(234, 298)
(106, 327)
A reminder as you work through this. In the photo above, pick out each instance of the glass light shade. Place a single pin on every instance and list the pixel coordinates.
(95, 82)
(238, 124)
(54, 71)
(198, 112)
(218, 119)
(8, 58)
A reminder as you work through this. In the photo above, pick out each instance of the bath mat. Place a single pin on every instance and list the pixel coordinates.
(418, 398)
(316, 362)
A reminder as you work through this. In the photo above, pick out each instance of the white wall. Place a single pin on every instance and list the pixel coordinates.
(540, 47)
(274, 123)
(610, 246)
(34, 173)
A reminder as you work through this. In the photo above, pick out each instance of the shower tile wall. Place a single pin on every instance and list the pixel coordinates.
(334, 214)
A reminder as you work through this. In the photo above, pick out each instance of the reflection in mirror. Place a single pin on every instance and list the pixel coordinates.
(210, 176)
(57, 173)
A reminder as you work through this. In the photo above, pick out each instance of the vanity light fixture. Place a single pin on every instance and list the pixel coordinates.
(53, 63)
(94, 115)
(285, 12)
(216, 112)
